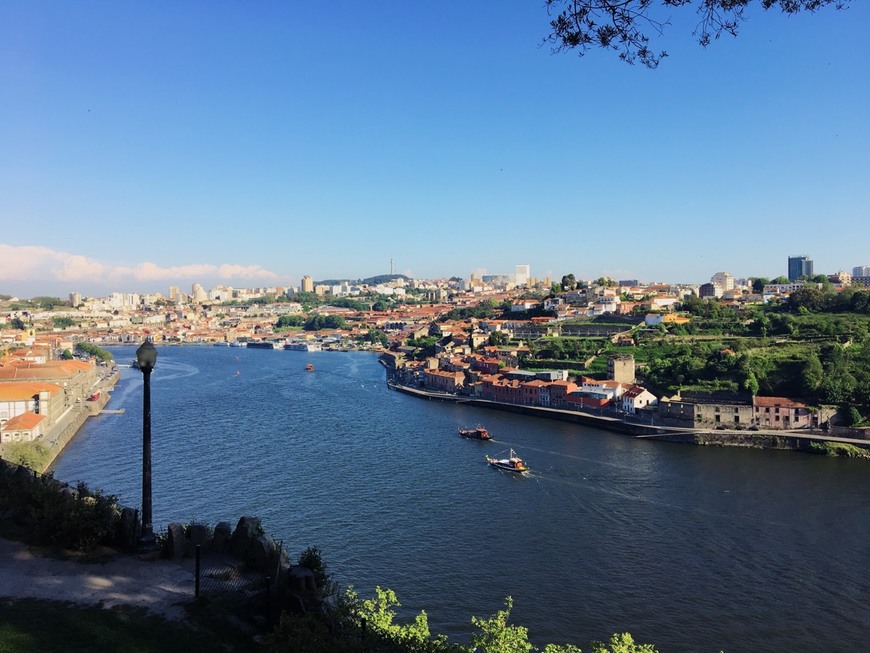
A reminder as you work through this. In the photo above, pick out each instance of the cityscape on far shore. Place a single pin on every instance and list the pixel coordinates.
(722, 285)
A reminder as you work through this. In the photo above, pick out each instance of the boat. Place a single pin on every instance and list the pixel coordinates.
(261, 344)
(303, 346)
(476, 433)
(309, 367)
(513, 463)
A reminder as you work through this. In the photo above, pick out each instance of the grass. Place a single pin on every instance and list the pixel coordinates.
(839, 449)
(46, 626)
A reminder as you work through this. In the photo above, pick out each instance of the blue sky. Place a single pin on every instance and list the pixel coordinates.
(151, 144)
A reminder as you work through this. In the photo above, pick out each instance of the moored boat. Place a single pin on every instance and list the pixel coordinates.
(513, 463)
(476, 433)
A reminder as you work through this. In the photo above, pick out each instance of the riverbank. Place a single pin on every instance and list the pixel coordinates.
(803, 440)
(51, 443)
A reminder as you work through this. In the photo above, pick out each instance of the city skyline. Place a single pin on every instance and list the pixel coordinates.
(195, 282)
(148, 148)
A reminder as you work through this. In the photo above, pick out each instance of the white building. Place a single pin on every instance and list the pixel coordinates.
(523, 274)
(723, 280)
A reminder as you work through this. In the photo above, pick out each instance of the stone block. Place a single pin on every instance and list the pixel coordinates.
(221, 539)
(247, 529)
(127, 528)
(175, 540)
(197, 534)
(263, 554)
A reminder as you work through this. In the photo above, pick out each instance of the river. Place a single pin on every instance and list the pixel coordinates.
(689, 548)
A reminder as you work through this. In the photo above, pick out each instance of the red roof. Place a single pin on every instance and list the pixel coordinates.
(25, 421)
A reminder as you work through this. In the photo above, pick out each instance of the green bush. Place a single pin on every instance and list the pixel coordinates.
(53, 513)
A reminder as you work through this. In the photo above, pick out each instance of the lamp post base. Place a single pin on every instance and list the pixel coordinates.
(147, 543)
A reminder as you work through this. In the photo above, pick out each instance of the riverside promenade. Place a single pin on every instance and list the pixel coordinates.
(73, 418)
(797, 439)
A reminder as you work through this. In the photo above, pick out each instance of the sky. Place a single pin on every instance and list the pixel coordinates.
(149, 144)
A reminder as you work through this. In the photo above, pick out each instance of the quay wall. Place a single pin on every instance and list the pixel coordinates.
(723, 438)
(62, 433)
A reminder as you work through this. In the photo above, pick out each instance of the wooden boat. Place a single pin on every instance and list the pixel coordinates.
(476, 433)
(309, 367)
(513, 463)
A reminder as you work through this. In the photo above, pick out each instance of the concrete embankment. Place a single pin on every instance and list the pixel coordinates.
(626, 425)
(618, 424)
(66, 428)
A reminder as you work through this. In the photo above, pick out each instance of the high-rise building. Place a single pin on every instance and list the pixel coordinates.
(861, 271)
(523, 272)
(307, 284)
(198, 293)
(724, 280)
(798, 267)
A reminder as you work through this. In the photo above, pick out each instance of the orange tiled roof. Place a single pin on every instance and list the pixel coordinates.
(780, 402)
(23, 421)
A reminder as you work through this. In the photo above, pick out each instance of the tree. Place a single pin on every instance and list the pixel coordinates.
(377, 614)
(812, 374)
(623, 25)
(286, 321)
(758, 284)
(569, 282)
(62, 322)
(622, 643)
(496, 636)
(92, 350)
(48, 303)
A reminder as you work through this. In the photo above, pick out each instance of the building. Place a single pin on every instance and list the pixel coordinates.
(637, 398)
(307, 284)
(175, 295)
(22, 428)
(621, 369)
(198, 293)
(799, 267)
(709, 291)
(861, 271)
(783, 413)
(523, 274)
(723, 280)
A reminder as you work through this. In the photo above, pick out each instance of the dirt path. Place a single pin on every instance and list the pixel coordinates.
(160, 586)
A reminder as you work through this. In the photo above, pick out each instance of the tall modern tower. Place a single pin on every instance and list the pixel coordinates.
(799, 266)
(523, 272)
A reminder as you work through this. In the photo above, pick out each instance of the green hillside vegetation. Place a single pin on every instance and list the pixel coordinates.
(814, 346)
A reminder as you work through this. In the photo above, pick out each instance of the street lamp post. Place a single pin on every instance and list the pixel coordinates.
(146, 356)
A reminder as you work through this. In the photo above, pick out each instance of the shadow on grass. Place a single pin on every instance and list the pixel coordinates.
(46, 626)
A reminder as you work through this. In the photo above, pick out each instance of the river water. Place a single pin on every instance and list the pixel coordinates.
(690, 548)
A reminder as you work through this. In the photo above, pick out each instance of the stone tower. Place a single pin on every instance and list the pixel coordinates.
(621, 368)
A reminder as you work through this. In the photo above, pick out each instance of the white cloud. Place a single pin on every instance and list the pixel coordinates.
(43, 266)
